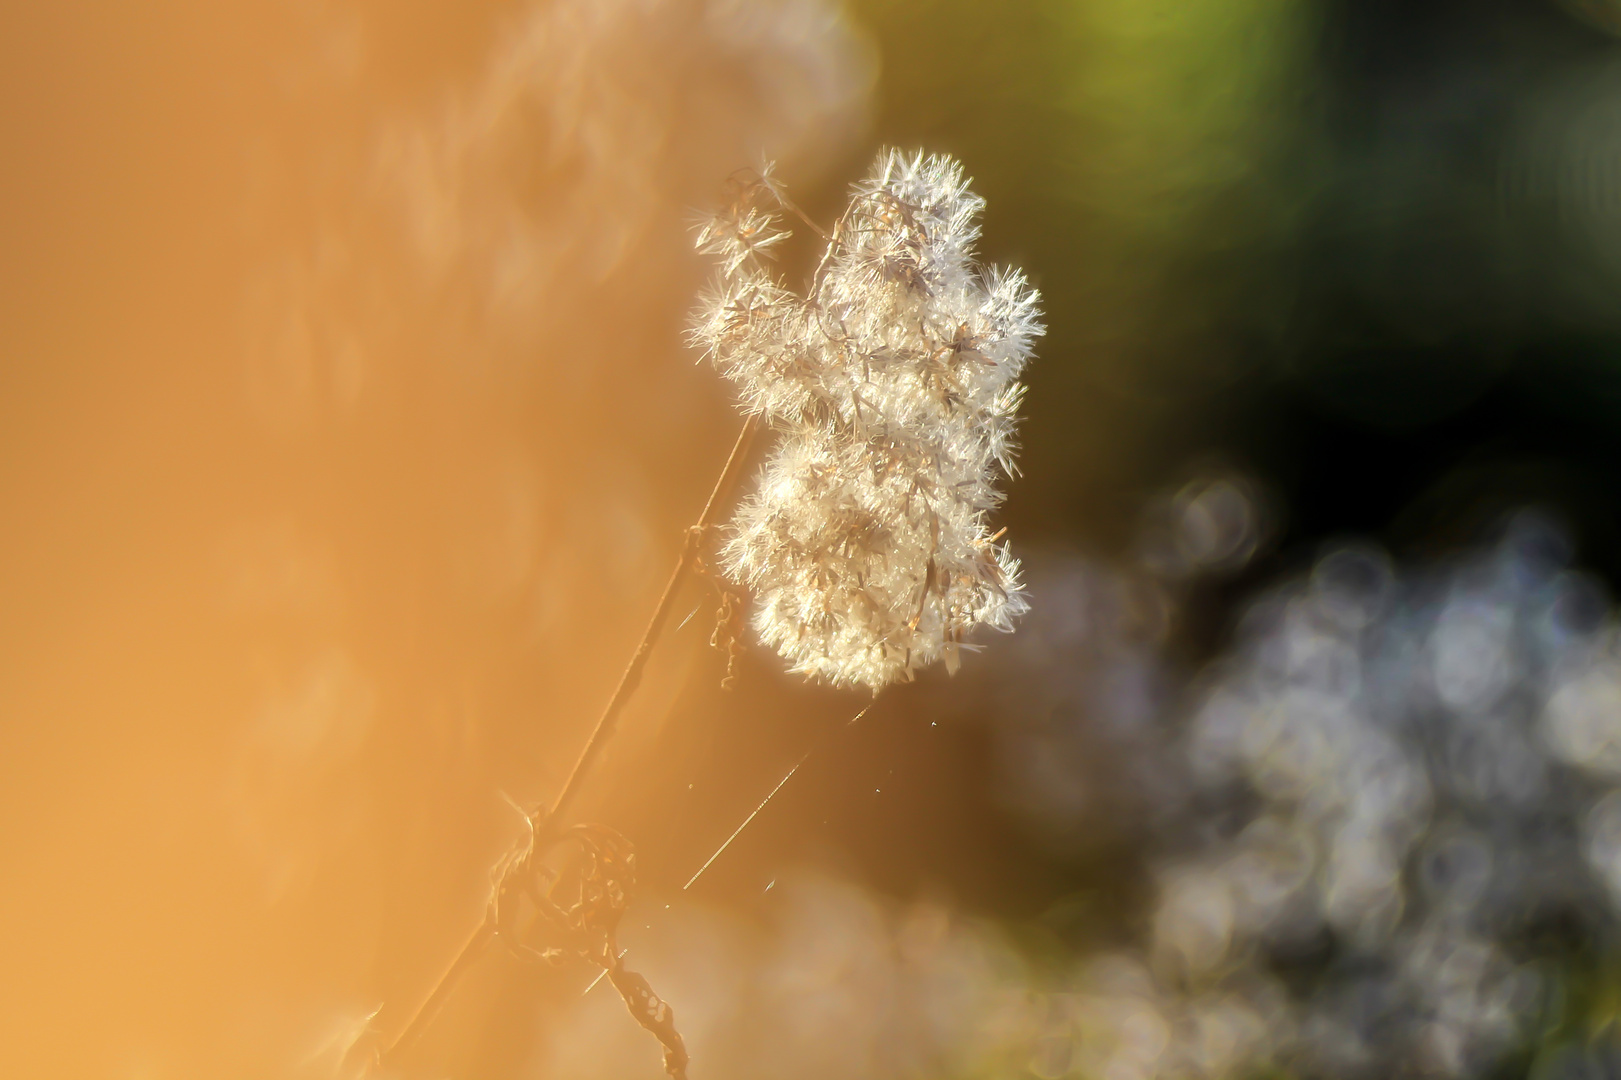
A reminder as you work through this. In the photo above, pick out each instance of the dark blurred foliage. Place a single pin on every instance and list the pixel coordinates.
(1361, 248)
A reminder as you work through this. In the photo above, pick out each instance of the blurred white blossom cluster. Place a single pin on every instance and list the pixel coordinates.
(894, 386)
(1412, 784)
(1382, 836)
(1405, 815)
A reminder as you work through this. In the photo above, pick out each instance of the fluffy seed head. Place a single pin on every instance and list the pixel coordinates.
(894, 385)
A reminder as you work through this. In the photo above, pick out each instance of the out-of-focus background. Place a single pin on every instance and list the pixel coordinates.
(347, 435)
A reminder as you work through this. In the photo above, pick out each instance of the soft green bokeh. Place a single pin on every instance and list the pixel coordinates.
(1147, 163)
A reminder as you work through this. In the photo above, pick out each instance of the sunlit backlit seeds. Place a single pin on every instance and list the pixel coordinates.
(893, 384)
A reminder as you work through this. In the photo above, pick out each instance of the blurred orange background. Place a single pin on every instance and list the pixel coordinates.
(348, 436)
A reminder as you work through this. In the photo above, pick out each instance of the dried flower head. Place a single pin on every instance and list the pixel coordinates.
(894, 384)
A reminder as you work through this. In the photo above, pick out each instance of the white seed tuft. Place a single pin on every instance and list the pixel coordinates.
(893, 384)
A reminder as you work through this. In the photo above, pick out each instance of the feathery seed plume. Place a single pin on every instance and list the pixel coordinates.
(894, 385)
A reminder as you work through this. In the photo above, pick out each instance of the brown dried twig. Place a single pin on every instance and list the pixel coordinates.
(585, 928)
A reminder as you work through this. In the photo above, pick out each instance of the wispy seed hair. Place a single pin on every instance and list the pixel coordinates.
(894, 384)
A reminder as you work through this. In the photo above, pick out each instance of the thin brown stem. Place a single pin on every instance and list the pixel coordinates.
(632, 676)
(481, 936)
(547, 824)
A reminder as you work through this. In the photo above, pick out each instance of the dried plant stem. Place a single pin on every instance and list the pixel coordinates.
(441, 990)
(546, 824)
(607, 723)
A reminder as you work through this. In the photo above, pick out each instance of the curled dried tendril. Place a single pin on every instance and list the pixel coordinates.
(728, 632)
(578, 909)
